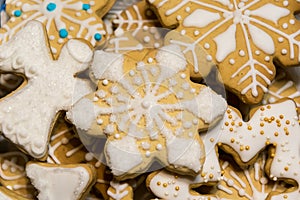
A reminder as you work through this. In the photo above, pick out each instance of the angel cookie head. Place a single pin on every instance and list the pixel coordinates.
(149, 110)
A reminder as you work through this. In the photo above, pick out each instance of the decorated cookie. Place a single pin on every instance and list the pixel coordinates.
(242, 37)
(120, 191)
(6, 194)
(274, 125)
(148, 110)
(8, 83)
(247, 183)
(63, 20)
(69, 182)
(27, 115)
(13, 176)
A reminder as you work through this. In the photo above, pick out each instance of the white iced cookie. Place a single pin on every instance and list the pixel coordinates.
(27, 115)
(148, 110)
(68, 182)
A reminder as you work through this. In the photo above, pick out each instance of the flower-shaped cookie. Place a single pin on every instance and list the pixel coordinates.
(63, 20)
(149, 110)
(242, 37)
(26, 116)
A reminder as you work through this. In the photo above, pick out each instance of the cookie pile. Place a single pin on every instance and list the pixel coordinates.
(151, 99)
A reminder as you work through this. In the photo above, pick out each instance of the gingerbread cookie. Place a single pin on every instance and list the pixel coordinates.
(120, 191)
(63, 20)
(26, 116)
(242, 37)
(69, 182)
(13, 176)
(248, 183)
(148, 109)
(273, 125)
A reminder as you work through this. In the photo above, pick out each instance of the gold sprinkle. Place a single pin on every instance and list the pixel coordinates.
(281, 116)
(266, 119)
(158, 183)
(269, 120)
(222, 172)
(286, 168)
(267, 142)
(285, 128)
(275, 144)
(285, 196)
(219, 144)
(249, 128)
(231, 129)
(276, 134)
(287, 133)
(240, 124)
(226, 123)
(232, 140)
(262, 124)
(177, 188)
(165, 184)
(247, 147)
(203, 174)
(279, 125)
(212, 139)
(268, 106)
(262, 132)
(272, 155)
(272, 118)
(228, 111)
(211, 176)
(176, 177)
(230, 116)
(232, 123)
(287, 122)
(241, 148)
(262, 108)
(277, 121)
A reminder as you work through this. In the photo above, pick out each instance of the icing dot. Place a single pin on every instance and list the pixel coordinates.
(230, 182)
(51, 37)
(78, 14)
(86, 6)
(89, 11)
(17, 13)
(187, 9)
(241, 4)
(156, 45)
(145, 28)
(285, 25)
(280, 39)
(183, 76)
(242, 53)
(242, 192)
(63, 33)
(182, 32)
(147, 39)
(178, 17)
(89, 156)
(60, 41)
(105, 82)
(196, 33)
(51, 7)
(283, 51)
(71, 28)
(267, 58)
(99, 121)
(285, 3)
(206, 46)
(18, 4)
(148, 154)
(117, 135)
(92, 3)
(150, 60)
(292, 21)
(231, 61)
(159, 147)
(257, 52)
(209, 58)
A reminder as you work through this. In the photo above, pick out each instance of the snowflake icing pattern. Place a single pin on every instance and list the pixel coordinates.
(246, 34)
(147, 109)
(64, 19)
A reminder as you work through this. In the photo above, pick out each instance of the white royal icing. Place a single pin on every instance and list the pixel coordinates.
(120, 190)
(27, 115)
(58, 182)
(204, 18)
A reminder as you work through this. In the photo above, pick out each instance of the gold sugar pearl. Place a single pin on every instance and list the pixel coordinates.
(272, 118)
(212, 139)
(286, 168)
(211, 176)
(279, 125)
(262, 132)
(241, 148)
(268, 106)
(202, 174)
(230, 116)
(287, 122)
(267, 142)
(232, 123)
(262, 108)
(176, 177)
(281, 116)
(285, 196)
(240, 124)
(276, 134)
(277, 121)
(158, 183)
(231, 129)
(249, 128)
(226, 123)
(165, 185)
(247, 147)
(228, 111)
(177, 188)
(272, 155)
(266, 119)
(287, 133)
(232, 140)
(261, 124)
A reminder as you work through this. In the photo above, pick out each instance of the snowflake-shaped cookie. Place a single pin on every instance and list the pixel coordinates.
(63, 19)
(242, 37)
(148, 109)
(27, 115)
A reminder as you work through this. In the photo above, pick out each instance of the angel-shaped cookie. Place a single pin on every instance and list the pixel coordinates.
(26, 116)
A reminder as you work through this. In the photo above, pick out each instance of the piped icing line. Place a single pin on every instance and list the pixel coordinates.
(118, 103)
(11, 164)
(25, 120)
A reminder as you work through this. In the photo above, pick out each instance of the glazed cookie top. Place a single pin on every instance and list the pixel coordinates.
(148, 109)
(26, 116)
(242, 37)
(63, 20)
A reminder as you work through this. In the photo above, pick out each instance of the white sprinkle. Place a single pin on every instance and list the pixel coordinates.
(147, 39)
(280, 39)
(242, 53)
(182, 32)
(209, 58)
(183, 76)
(283, 51)
(232, 61)
(159, 147)
(196, 33)
(105, 82)
(257, 52)
(99, 121)
(187, 9)
(206, 46)
(267, 58)
(285, 25)
(150, 60)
